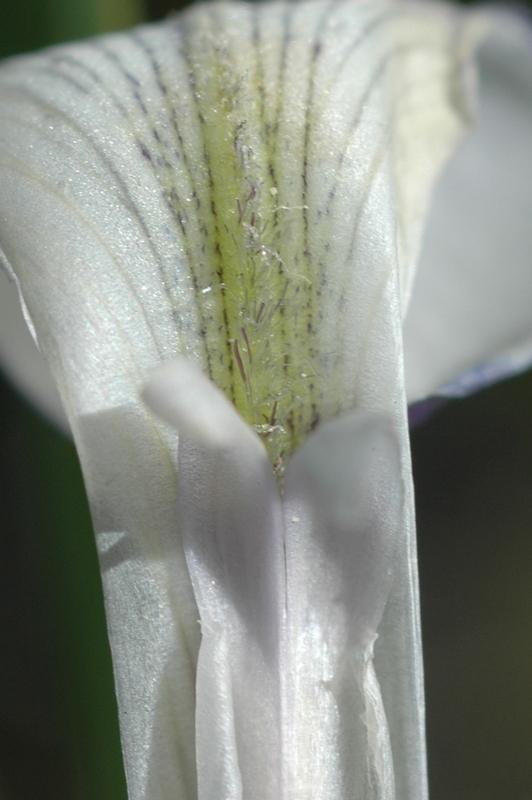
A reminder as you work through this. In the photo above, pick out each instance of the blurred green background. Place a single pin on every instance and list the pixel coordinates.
(473, 473)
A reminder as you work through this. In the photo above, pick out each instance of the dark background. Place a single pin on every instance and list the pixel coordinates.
(473, 476)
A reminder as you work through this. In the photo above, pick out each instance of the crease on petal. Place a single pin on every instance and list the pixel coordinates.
(229, 508)
(150, 607)
(229, 511)
(90, 271)
(343, 510)
(134, 145)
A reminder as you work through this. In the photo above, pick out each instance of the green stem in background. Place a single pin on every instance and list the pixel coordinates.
(30, 24)
(58, 730)
(67, 20)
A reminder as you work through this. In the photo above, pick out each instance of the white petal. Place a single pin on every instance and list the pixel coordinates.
(91, 279)
(130, 476)
(104, 146)
(230, 516)
(471, 310)
(343, 508)
(288, 701)
(223, 187)
(230, 513)
(181, 394)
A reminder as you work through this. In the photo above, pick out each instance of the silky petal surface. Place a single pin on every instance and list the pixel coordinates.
(233, 174)
(230, 511)
(233, 537)
(470, 313)
(230, 515)
(291, 595)
(91, 281)
(343, 512)
(181, 394)
(235, 186)
(130, 477)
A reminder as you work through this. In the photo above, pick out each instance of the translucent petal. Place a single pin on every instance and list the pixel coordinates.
(181, 394)
(343, 511)
(232, 186)
(288, 700)
(129, 467)
(470, 313)
(230, 513)
(117, 146)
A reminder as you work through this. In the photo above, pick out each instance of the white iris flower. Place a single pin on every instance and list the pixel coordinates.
(239, 192)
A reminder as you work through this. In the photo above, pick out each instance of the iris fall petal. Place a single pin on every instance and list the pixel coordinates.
(244, 186)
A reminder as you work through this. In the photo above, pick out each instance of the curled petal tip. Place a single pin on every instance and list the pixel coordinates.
(183, 396)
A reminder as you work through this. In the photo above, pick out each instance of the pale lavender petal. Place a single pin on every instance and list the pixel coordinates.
(421, 412)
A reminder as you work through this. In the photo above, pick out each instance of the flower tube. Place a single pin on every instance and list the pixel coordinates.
(243, 187)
